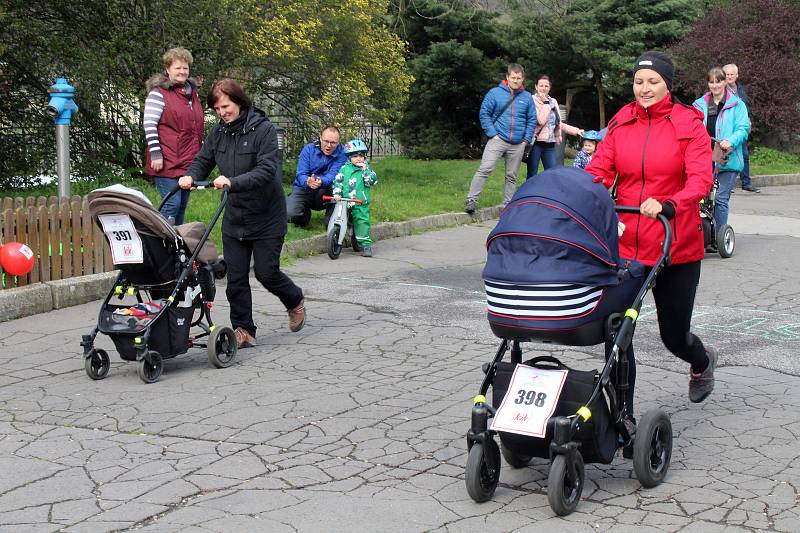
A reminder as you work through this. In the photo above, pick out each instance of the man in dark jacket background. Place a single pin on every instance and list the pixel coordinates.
(317, 165)
(244, 146)
(732, 80)
(508, 119)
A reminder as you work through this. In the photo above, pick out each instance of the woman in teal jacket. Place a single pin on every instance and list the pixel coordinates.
(726, 119)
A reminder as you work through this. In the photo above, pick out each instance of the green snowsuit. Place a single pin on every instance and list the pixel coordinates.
(353, 182)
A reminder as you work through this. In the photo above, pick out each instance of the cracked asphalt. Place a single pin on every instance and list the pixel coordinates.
(358, 422)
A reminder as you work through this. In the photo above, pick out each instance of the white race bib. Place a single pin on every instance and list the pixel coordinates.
(530, 401)
(126, 245)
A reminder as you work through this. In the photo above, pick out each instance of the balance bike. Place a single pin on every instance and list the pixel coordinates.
(338, 225)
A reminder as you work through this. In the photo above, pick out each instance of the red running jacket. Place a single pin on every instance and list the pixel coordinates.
(661, 152)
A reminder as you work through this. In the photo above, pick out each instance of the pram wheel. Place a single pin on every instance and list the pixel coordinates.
(483, 470)
(565, 483)
(652, 448)
(97, 364)
(726, 241)
(150, 370)
(334, 248)
(222, 347)
(514, 459)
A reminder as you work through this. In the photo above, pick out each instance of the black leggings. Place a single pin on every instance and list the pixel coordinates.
(674, 294)
(266, 254)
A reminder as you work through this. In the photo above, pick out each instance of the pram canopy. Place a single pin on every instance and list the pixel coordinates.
(553, 270)
(121, 199)
(559, 227)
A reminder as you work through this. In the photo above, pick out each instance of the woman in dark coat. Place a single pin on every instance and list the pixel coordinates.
(244, 146)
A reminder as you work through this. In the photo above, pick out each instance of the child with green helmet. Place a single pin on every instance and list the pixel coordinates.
(354, 181)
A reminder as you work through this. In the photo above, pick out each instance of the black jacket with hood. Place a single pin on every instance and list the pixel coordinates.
(246, 152)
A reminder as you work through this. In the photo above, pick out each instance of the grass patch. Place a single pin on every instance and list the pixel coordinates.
(765, 161)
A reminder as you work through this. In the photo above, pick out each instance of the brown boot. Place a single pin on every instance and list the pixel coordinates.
(297, 316)
(244, 339)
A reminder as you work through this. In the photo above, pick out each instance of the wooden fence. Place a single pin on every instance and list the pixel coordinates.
(60, 231)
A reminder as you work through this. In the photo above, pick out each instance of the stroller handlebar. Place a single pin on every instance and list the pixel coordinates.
(666, 245)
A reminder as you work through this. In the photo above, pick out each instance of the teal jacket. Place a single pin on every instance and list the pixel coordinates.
(733, 125)
(352, 182)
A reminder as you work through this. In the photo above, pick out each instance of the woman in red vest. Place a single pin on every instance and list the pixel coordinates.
(173, 127)
(659, 153)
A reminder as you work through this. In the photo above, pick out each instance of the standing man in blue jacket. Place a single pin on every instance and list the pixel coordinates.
(508, 119)
(317, 165)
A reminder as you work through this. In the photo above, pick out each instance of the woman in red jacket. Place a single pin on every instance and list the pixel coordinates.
(659, 153)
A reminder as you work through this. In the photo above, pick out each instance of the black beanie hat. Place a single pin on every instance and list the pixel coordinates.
(658, 61)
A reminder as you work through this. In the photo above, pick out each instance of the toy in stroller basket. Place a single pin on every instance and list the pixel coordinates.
(553, 274)
(166, 274)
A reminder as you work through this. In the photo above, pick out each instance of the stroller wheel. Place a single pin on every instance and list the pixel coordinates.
(726, 241)
(97, 364)
(481, 478)
(222, 347)
(652, 448)
(514, 459)
(334, 248)
(565, 483)
(150, 371)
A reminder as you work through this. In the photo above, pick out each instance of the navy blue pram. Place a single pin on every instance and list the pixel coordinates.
(553, 274)
(553, 269)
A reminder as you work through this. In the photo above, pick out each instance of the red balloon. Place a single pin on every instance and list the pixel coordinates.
(16, 258)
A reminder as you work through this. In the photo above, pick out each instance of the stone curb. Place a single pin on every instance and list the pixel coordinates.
(43, 297)
(776, 179)
(46, 296)
(389, 230)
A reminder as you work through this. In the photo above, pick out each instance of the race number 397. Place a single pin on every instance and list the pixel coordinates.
(123, 235)
(124, 241)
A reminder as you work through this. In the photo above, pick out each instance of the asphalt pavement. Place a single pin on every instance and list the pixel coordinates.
(358, 422)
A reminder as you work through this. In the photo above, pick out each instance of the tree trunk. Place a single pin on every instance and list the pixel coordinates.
(601, 99)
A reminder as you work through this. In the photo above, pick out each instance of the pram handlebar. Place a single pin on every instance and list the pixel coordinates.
(624, 336)
(195, 185)
(326, 198)
(222, 202)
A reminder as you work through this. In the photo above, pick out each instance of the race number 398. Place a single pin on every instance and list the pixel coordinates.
(530, 397)
(531, 400)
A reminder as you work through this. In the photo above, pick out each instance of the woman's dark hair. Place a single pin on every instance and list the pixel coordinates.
(232, 90)
(543, 77)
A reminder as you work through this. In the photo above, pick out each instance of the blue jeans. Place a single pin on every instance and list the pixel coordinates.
(544, 151)
(726, 181)
(175, 207)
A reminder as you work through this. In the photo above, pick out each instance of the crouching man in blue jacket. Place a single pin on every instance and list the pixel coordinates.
(317, 165)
